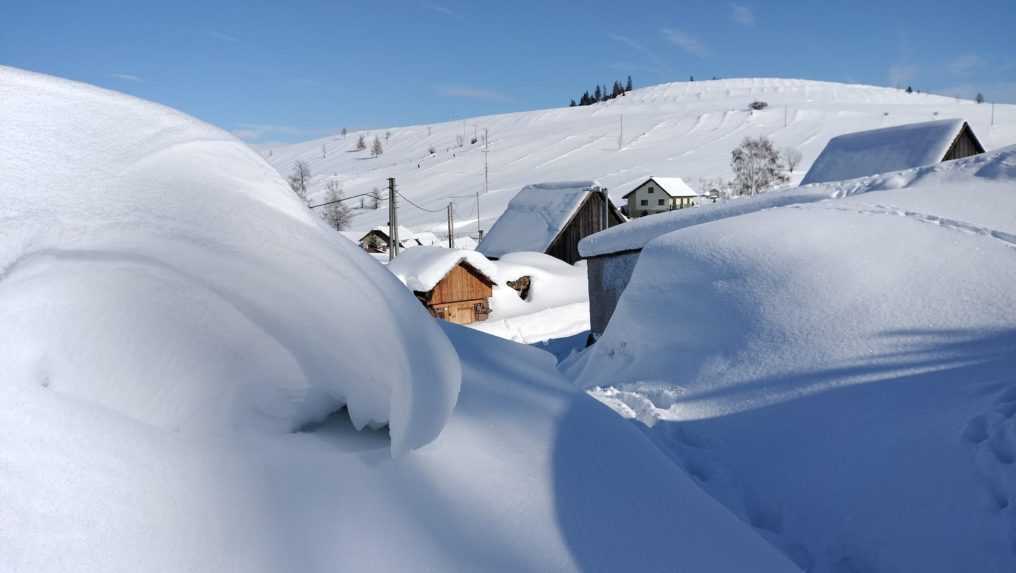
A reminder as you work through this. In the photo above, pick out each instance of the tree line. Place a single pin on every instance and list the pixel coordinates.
(602, 94)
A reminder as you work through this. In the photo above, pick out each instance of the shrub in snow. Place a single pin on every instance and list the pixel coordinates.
(160, 269)
(758, 105)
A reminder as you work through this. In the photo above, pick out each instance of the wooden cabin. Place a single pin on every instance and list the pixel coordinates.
(462, 296)
(551, 218)
(895, 148)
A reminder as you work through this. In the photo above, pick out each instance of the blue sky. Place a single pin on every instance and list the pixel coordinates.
(290, 71)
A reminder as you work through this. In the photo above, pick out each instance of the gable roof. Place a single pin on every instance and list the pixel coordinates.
(883, 150)
(421, 268)
(536, 216)
(672, 186)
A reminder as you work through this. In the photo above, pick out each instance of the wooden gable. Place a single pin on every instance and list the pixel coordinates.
(586, 221)
(965, 145)
(462, 283)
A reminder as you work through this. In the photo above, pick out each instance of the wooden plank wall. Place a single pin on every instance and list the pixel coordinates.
(587, 221)
(462, 283)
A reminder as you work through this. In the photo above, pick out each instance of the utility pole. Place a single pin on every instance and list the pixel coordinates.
(786, 113)
(451, 225)
(479, 232)
(992, 114)
(393, 221)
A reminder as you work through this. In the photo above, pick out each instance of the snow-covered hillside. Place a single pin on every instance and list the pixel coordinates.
(681, 129)
(841, 373)
(178, 335)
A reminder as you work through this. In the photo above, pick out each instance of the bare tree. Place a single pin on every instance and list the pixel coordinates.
(792, 158)
(756, 165)
(375, 148)
(361, 143)
(324, 151)
(336, 213)
(299, 179)
(388, 136)
(375, 198)
(343, 133)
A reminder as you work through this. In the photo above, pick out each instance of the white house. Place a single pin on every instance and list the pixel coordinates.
(659, 194)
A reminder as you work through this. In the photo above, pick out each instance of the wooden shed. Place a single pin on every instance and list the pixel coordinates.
(551, 218)
(462, 296)
(895, 148)
(453, 285)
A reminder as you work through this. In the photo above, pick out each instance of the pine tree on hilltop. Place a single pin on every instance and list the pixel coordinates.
(572, 104)
(627, 87)
(597, 95)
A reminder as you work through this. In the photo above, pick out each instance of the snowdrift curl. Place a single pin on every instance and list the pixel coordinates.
(157, 267)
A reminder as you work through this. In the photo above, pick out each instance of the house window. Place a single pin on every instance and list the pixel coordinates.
(659, 202)
(644, 202)
(650, 188)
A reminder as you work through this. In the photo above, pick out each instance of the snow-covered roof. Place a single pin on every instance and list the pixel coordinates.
(673, 186)
(422, 268)
(883, 150)
(425, 238)
(535, 217)
(634, 234)
(404, 232)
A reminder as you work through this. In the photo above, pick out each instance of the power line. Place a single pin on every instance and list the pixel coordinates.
(340, 200)
(410, 201)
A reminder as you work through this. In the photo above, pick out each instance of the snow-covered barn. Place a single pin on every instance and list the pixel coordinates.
(896, 148)
(659, 194)
(455, 285)
(551, 218)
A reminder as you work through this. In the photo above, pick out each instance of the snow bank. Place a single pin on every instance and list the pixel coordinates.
(883, 150)
(557, 304)
(839, 373)
(636, 233)
(534, 217)
(421, 268)
(157, 267)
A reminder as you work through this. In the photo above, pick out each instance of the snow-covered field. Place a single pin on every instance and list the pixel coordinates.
(180, 335)
(684, 129)
(839, 373)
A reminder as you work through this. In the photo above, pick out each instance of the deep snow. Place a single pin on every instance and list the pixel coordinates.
(179, 333)
(839, 373)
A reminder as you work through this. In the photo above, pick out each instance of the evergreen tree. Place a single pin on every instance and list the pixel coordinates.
(585, 99)
(980, 97)
(572, 104)
(627, 87)
(597, 95)
(910, 90)
(375, 148)
(691, 78)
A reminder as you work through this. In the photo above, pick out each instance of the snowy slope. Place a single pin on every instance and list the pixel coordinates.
(840, 373)
(178, 335)
(681, 129)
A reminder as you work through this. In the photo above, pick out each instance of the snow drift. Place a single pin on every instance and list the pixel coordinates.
(158, 267)
(839, 373)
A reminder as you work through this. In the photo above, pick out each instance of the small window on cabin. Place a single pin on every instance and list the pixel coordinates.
(651, 189)
(659, 202)
(644, 202)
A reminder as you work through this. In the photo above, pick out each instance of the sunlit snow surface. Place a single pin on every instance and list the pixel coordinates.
(840, 373)
(178, 334)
